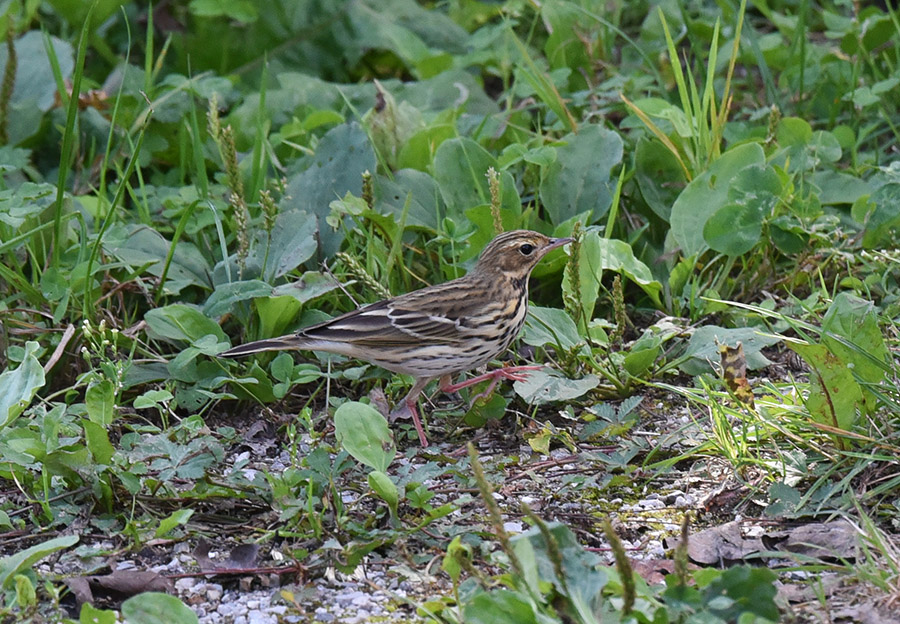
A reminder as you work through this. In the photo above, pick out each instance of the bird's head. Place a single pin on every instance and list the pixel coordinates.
(514, 254)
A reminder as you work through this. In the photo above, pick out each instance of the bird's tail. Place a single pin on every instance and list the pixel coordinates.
(290, 341)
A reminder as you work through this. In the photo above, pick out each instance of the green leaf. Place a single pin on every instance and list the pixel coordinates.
(363, 432)
(545, 385)
(382, 485)
(175, 519)
(706, 194)
(834, 394)
(152, 398)
(156, 608)
(311, 284)
(138, 246)
(500, 606)
(180, 322)
(550, 326)
(336, 168)
(598, 254)
(882, 217)
(856, 321)
(733, 229)
(703, 350)
(292, 242)
(750, 590)
(96, 436)
(35, 87)
(91, 615)
(460, 168)
(658, 175)
(24, 559)
(456, 558)
(99, 401)
(19, 386)
(426, 208)
(223, 298)
(638, 361)
(580, 179)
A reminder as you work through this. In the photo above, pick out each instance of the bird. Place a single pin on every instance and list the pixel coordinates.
(438, 331)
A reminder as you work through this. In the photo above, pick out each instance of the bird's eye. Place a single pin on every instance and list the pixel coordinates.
(526, 249)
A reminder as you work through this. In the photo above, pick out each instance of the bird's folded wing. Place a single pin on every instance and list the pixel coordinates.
(388, 323)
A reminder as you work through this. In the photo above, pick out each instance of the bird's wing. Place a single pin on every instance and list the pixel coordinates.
(433, 314)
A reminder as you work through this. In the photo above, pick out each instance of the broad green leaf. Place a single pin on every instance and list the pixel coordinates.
(18, 386)
(99, 400)
(223, 298)
(311, 284)
(426, 207)
(336, 168)
(793, 131)
(90, 614)
(837, 187)
(418, 152)
(34, 89)
(180, 322)
(545, 385)
(152, 398)
(456, 558)
(580, 178)
(96, 436)
(598, 254)
(139, 246)
(293, 241)
(834, 395)
(460, 168)
(658, 175)
(363, 432)
(156, 608)
(276, 314)
(26, 200)
(583, 581)
(390, 125)
(856, 321)
(734, 229)
(883, 217)
(24, 559)
(242, 11)
(638, 361)
(702, 351)
(550, 326)
(748, 589)
(706, 194)
(500, 606)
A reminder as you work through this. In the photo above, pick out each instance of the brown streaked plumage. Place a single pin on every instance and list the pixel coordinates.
(438, 331)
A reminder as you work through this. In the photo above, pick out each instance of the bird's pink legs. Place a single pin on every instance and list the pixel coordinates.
(410, 402)
(513, 373)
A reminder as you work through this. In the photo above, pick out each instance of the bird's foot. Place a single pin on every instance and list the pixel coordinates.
(512, 373)
(408, 410)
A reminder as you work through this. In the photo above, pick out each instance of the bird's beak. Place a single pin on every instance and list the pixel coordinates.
(557, 242)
